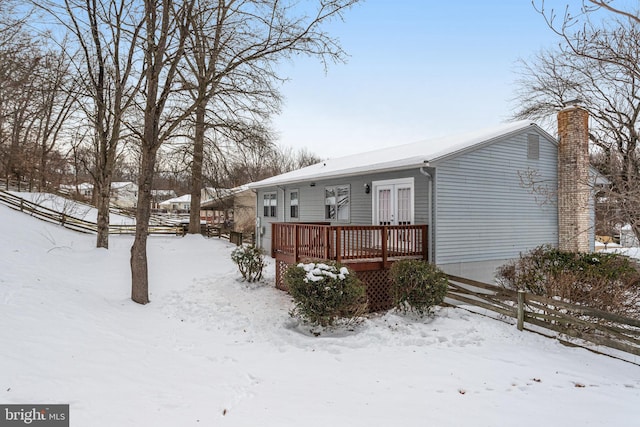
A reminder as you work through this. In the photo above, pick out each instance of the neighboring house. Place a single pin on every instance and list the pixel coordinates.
(236, 207)
(471, 190)
(84, 189)
(158, 196)
(180, 204)
(124, 194)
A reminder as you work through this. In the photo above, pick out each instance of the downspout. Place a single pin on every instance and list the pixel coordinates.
(430, 211)
(258, 224)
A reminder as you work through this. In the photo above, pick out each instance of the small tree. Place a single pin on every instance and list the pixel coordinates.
(417, 286)
(325, 293)
(250, 261)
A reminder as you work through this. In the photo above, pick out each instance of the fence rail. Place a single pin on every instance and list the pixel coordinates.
(583, 323)
(77, 224)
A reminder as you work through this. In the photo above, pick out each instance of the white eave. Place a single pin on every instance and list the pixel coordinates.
(399, 157)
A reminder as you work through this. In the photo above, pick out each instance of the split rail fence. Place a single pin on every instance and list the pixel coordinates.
(566, 320)
(78, 224)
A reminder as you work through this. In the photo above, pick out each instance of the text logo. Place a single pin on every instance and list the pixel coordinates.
(34, 415)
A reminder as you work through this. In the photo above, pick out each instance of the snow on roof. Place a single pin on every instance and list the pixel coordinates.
(83, 186)
(185, 198)
(392, 158)
(222, 193)
(121, 184)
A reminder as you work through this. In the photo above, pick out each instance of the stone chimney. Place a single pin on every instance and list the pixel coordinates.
(573, 179)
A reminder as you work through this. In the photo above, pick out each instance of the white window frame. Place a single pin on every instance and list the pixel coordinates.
(270, 204)
(296, 204)
(338, 211)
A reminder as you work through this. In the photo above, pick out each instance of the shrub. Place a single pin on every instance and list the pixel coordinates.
(417, 286)
(325, 293)
(250, 261)
(605, 281)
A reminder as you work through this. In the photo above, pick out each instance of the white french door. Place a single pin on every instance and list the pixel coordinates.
(393, 202)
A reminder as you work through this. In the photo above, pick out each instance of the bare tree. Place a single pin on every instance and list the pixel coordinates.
(597, 63)
(18, 109)
(105, 43)
(57, 101)
(232, 49)
(166, 24)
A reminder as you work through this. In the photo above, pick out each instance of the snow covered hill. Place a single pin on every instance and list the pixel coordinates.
(210, 350)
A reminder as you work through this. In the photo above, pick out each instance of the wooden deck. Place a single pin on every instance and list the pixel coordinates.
(362, 247)
(369, 250)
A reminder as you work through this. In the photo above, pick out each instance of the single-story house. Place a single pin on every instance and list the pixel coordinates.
(234, 206)
(159, 196)
(84, 189)
(177, 204)
(124, 194)
(468, 202)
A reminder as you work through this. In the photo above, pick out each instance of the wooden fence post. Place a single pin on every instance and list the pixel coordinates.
(521, 310)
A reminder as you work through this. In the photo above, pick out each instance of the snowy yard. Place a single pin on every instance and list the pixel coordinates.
(210, 350)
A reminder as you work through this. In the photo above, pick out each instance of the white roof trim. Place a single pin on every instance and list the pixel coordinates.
(394, 158)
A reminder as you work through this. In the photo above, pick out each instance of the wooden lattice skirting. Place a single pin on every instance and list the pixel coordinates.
(376, 282)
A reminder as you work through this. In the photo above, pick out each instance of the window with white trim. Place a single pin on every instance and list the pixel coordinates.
(294, 210)
(337, 202)
(269, 204)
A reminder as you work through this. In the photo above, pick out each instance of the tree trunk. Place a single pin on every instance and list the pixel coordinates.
(139, 268)
(196, 169)
(103, 191)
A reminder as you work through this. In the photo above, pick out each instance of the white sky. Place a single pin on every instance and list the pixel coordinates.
(417, 69)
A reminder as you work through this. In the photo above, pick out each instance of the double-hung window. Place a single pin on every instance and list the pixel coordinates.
(269, 205)
(336, 203)
(294, 206)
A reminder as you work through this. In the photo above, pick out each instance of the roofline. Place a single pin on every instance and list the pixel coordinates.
(492, 141)
(408, 166)
(340, 175)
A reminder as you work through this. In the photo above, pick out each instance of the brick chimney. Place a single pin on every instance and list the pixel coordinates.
(573, 179)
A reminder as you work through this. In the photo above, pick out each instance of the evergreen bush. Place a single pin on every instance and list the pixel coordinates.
(250, 261)
(417, 286)
(606, 281)
(325, 293)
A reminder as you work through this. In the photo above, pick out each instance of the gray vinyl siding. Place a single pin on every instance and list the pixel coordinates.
(482, 210)
(311, 201)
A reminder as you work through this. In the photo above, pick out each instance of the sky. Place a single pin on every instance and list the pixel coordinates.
(417, 69)
(211, 350)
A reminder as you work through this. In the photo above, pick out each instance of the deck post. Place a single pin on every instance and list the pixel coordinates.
(384, 246)
(425, 242)
(338, 244)
(327, 236)
(274, 239)
(296, 242)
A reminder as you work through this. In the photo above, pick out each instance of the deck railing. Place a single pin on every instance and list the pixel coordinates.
(294, 242)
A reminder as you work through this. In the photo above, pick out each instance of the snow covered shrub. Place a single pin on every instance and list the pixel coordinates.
(250, 261)
(609, 282)
(417, 286)
(325, 293)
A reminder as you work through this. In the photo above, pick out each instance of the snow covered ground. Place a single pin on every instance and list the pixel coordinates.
(210, 350)
(71, 208)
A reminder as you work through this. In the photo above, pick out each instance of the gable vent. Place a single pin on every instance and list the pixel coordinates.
(533, 147)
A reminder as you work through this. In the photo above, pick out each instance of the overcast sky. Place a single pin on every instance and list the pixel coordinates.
(417, 69)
